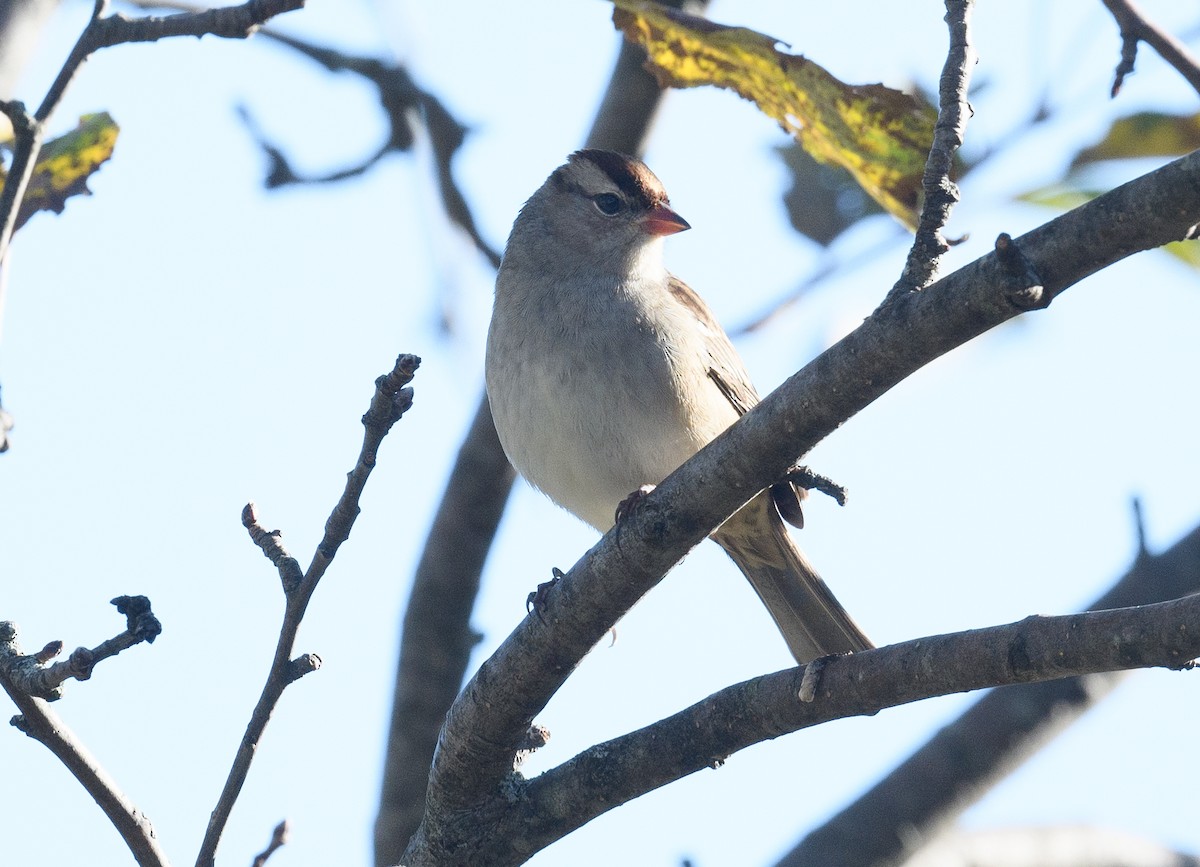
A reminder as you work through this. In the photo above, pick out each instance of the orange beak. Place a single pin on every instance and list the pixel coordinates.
(663, 221)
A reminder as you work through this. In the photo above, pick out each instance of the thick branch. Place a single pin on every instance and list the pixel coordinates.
(496, 708)
(861, 684)
(918, 800)
(392, 398)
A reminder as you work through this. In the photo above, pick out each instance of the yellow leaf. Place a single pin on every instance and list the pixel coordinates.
(1145, 134)
(882, 136)
(66, 163)
(1186, 251)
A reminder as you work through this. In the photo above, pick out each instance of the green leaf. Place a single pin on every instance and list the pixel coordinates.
(66, 163)
(880, 135)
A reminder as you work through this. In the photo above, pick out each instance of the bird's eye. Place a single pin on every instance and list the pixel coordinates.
(607, 203)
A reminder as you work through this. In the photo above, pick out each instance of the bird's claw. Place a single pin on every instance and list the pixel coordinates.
(537, 600)
(627, 505)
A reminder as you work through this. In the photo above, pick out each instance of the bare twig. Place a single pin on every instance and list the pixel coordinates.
(941, 193)
(271, 544)
(392, 399)
(279, 838)
(105, 31)
(923, 795)
(1136, 27)
(1139, 526)
(45, 726)
(830, 263)
(6, 419)
(491, 716)
(30, 673)
(404, 103)
(28, 133)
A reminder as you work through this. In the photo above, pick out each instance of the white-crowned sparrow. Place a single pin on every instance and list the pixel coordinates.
(605, 373)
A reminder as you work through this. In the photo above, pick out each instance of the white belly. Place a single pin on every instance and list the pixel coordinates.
(589, 434)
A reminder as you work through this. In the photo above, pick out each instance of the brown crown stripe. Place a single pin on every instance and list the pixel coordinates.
(630, 175)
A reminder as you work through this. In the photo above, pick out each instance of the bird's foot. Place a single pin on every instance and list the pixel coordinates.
(539, 598)
(627, 505)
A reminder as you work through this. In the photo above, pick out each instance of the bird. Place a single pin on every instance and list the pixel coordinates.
(605, 372)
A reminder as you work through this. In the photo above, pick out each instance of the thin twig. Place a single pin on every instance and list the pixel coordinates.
(31, 674)
(404, 103)
(830, 263)
(941, 193)
(391, 400)
(1136, 27)
(105, 31)
(28, 133)
(270, 542)
(279, 838)
(45, 726)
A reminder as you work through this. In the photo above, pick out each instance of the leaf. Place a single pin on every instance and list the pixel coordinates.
(1187, 252)
(1145, 134)
(1063, 196)
(823, 200)
(66, 163)
(880, 135)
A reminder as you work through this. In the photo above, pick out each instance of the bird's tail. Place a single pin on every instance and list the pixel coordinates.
(812, 621)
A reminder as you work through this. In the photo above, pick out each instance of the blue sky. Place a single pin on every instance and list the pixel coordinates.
(183, 342)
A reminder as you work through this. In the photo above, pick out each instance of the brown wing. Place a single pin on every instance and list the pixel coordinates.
(730, 377)
(725, 367)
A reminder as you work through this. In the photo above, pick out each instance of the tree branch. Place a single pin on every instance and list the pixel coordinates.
(105, 31)
(486, 723)
(391, 400)
(31, 675)
(1136, 27)
(920, 798)
(279, 839)
(941, 193)
(45, 726)
(860, 684)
